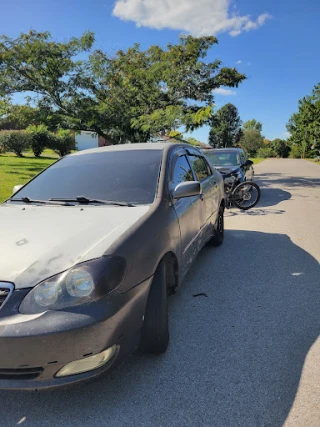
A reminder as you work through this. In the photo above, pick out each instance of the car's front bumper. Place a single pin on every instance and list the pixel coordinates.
(35, 347)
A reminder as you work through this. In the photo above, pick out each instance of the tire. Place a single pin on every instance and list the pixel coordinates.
(217, 239)
(155, 330)
(239, 202)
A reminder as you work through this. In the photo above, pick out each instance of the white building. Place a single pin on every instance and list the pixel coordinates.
(86, 139)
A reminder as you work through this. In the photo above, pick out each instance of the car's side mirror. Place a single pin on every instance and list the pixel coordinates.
(187, 189)
(248, 162)
(16, 188)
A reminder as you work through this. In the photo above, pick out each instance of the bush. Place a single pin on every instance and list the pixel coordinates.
(62, 142)
(295, 151)
(16, 141)
(281, 148)
(40, 138)
(266, 152)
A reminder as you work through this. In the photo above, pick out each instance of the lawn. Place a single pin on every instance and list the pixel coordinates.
(15, 170)
(257, 160)
(314, 161)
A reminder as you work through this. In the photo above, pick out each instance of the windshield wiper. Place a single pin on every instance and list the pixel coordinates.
(41, 202)
(86, 201)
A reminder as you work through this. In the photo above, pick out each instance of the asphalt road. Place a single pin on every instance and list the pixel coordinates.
(246, 355)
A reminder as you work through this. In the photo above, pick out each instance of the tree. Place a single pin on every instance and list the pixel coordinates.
(252, 124)
(304, 126)
(127, 97)
(226, 127)
(194, 141)
(175, 134)
(280, 147)
(251, 141)
(18, 117)
(265, 152)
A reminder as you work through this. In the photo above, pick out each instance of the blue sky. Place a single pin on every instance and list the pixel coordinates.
(275, 43)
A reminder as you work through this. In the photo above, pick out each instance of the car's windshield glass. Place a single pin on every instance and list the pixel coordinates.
(225, 158)
(124, 176)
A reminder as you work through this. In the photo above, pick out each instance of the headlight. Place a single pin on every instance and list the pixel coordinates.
(230, 180)
(81, 284)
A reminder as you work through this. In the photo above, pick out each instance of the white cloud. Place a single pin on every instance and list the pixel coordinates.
(225, 92)
(239, 62)
(199, 18)
(285, 135)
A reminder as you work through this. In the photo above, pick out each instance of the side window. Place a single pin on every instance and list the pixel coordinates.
(208, 167)
(200, 167)
(243, 157)
(182, 172)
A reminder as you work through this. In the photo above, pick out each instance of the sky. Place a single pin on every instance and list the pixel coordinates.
(276, 43)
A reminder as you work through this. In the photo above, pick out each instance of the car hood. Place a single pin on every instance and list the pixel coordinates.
(227, 169)
(37, 242)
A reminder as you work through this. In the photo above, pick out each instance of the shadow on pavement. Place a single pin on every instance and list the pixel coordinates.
(253, 212)
(282, 180)
(272, 196)
(235, 358)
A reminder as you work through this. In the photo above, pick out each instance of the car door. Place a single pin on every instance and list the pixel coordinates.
(210, 193)
(188, 209)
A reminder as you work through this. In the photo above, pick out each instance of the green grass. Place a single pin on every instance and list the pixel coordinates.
(314, 161)
(15, 170)
(257, 160)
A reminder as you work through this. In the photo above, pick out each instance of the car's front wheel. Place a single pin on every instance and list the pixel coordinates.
(218, 236)
(155, 330)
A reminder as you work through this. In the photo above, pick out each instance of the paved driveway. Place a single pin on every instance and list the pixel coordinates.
(245, 355)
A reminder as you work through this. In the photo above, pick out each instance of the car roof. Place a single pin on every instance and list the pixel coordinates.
(222, 149)
(134, 147)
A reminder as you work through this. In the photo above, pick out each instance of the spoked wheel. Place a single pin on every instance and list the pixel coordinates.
(246, 195)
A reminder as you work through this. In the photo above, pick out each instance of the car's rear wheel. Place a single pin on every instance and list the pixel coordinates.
(155, 330)
(218, 236)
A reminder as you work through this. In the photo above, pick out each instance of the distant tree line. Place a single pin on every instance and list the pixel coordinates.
(304, 126)
(227, 130)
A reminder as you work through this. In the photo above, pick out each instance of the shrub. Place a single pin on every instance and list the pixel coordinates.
(16, 141)
(63, 142)
(3, 138)
(40, 138)
(281, 148)
(266, 152)
(295, 151)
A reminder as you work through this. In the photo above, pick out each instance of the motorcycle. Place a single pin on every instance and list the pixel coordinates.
(244, 195)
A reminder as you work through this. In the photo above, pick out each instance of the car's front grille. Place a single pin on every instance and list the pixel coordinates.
(20, 373)
(5, 291)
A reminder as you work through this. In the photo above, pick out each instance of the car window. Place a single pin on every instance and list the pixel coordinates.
(125, 176)
(200, 167)
(224, 158)
(243, 157)
(181, 172)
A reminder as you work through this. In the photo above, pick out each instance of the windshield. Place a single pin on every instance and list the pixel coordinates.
(124, 176)
(225, 158)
